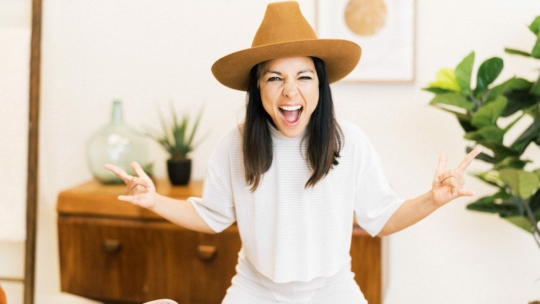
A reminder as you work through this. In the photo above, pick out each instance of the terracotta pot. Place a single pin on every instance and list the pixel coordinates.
(179, 171)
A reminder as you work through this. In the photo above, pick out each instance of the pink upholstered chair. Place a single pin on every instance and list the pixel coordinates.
(161, 301)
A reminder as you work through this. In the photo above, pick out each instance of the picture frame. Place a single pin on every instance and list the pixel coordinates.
(384, 29)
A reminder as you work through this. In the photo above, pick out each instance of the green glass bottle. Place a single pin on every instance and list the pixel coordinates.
(118, 144)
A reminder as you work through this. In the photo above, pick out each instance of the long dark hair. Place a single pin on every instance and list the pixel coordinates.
(323, 135)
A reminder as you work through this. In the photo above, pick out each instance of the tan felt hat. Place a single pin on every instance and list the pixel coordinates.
(284, 32)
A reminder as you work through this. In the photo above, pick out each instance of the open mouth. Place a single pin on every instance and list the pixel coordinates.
(291, 114)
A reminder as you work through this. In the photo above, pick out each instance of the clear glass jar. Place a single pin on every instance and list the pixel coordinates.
(119, 144)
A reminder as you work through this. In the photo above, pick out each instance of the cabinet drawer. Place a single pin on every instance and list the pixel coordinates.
(102, 259)
(136, 261)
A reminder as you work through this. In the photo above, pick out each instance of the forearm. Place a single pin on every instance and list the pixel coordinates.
(409, 213)
(180, 212)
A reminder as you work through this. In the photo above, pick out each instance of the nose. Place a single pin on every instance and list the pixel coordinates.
(290, 89)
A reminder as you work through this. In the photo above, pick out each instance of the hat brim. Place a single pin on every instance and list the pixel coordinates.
(340, 58)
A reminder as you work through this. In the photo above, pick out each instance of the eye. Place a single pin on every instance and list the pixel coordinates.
(305, 78)
(274, 78)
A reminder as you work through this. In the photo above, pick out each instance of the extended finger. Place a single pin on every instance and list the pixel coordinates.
(119, 172)
(441, 166)
(468, 159)
(138, 169)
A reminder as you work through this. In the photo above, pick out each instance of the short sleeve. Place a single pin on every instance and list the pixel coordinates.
(216, 207)
(375, 201)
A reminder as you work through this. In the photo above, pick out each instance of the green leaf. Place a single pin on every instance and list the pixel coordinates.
(517, 52)
(511, 162)
(497, 203)
(463, 73)
(518, 100)
(490, 178)
(513, 83)
(535, 89)
(465, 123)
(445, 79)
(535, 26)
(529, 135)
(521, 222)
(536, 49)
(489, 113)
(523, 183)
(500, 151)
(452, 99)
(487, 73)
(437, 90)
(490, 133)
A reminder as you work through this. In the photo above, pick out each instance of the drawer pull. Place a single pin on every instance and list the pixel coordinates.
(112, 246)
(206, 252)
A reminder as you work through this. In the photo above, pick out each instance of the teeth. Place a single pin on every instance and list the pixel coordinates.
(290, 108)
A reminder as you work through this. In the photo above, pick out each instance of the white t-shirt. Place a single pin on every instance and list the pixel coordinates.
(289, 232)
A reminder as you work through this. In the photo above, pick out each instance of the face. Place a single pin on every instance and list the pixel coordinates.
(289, 92)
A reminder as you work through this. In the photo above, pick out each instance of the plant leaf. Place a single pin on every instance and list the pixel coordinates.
(513, 83)
(463, 73)
(452, 99)
(437, 90)
(490, 178)
(500, 151)
(536, 49)
(489, 204)
(529, 135)
(521, 222)
(487, 73)
(489, 113)
(511, 162)
(445, 79)
(517, 52)
(490, 133)
(535, 25)
(518, 100)
(523, 183)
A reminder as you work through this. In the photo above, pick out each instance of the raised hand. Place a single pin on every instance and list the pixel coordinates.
(448, 184)
(140, 189)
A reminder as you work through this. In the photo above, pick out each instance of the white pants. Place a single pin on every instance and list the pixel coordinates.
(250, 287)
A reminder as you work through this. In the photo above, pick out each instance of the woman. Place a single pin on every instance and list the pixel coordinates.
(291, 176)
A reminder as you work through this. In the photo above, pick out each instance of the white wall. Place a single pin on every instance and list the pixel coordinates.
(148, 52)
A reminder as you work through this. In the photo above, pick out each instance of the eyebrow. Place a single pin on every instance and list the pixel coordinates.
(268, 71)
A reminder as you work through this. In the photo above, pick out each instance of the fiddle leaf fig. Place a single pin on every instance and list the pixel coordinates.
(487, 73)
(536, 49)
(521, 222)
(535, 26)
(463, 73)
(490, 133)
(513, 83)
(511, 162)
(446, 79)
(517, 52)
(452, 99)
(489, 113)
(522, 183)
(529, 135)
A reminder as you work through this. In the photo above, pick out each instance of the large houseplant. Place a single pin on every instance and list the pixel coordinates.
(487, 113)
(177, 137)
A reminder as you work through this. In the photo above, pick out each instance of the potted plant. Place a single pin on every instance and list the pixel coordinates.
(177, 138)
(487, 113)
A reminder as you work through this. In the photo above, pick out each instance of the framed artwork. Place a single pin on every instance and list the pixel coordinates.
(384, 29)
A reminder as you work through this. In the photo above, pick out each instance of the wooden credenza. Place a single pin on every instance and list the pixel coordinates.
(116, 252)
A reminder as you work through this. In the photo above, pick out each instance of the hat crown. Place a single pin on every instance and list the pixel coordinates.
(283, 22)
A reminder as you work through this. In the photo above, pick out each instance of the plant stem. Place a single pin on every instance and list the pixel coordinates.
(530, 216)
